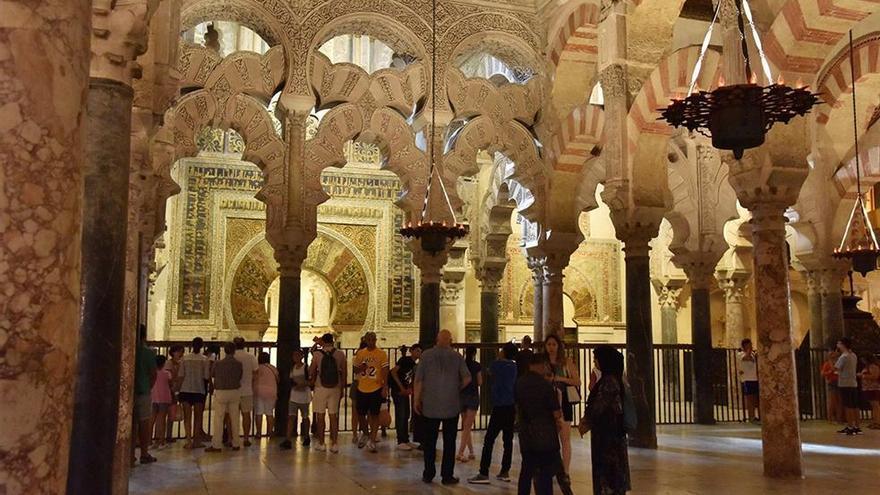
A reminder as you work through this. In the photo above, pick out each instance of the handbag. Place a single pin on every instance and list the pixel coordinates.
(384, 416)
(572, 394)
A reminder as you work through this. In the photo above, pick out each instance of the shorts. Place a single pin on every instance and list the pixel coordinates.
(470, 402)
(750, 388)
(296, 407)
(161, 407)
(191, 398)
(264, 407)
(246, 403)
(327, 399)
(143, 407)
(369, 403)
(850, 397)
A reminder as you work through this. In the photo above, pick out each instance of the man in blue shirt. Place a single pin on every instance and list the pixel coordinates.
(503, 373)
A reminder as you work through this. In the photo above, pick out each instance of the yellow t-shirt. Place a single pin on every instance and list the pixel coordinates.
(377, 360)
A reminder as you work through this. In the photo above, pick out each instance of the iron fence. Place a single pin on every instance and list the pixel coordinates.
(673, 382)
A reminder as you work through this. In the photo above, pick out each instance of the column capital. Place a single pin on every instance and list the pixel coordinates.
(290, 260)
(430, 265)
(450, 293)
(613, 80)
(669, 292)
(699, 267)
(490, 277)
(635, 227)
(733, 284)
(119, 36)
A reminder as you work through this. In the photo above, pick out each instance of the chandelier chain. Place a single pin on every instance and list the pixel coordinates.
(852, 76)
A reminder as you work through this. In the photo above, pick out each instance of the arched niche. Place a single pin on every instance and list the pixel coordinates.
(331, 256)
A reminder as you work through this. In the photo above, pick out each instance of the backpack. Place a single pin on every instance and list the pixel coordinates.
(329, 371)
(630, 420)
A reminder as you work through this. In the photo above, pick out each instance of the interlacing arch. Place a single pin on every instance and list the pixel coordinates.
(371, 108)
(574, 32)
(496, 119)
(235, 94)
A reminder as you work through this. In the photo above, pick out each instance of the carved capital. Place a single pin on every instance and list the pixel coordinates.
(613, 80)
(119, 36)
(733, 285)
(430, 265)
(669, 293)
(450, 293)
(490, 278)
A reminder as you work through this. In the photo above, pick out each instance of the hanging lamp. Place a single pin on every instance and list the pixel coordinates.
(859, 243)
(434, 236)
(737, 117)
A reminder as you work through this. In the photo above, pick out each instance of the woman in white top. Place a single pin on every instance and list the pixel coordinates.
(300, 398)
(748, 375)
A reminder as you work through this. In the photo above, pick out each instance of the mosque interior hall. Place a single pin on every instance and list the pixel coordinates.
(671, 178)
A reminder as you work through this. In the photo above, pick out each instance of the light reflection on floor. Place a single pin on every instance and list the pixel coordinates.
(724, 459)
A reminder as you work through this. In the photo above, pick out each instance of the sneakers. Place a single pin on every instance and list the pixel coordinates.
(362, 441)
(850, 431)
(286, 445)
(371, 446)
(147, 459)
(856, 430)
(452, 480)
(404, 446)
(307, 440)
(334, 448)
(479, 479)
(844, 431)
(504, 476)
(320, 447)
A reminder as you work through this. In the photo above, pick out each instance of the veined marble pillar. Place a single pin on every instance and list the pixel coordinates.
(288, 331)
(639, 339)
(780, 430)
(45, 70)
(537, 267)
(490, 283)
(832, 304)
(452, 315)
(734, 309)
(105, 220)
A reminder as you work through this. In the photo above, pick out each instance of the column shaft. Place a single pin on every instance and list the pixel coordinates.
(701, 323)
(429, 312)
(488, 315)
(639, 343)
(538, 310)
(552, 305)
(669, 324)
(814, 301)
(45, 80)
(288, 339)
(105, 220)
(832, 313)
(452, 310)
(780, 429)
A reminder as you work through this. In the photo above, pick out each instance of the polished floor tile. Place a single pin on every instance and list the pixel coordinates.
(716, 460)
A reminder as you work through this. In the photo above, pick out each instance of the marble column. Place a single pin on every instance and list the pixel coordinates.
(105, 220)
(735, 328)
(452, 314)
(814, 301)
(552, 306)
(832, 304)
(639, 339)
(490, 284)
(288, 331)
(44, 62)
(701, 327)
(780, 429)
(537, 267)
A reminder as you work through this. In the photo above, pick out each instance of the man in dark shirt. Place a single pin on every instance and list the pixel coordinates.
(503, 372)
(540, 419)
(401, 391)
(226, 376)
(522, 357)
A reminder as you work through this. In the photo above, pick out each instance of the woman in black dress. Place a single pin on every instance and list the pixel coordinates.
(604, 419)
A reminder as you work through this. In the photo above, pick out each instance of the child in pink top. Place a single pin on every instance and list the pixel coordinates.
(162, 398)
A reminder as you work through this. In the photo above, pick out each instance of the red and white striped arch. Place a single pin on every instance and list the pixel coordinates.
(805, 30)
(835, 81)
(579, 133)
(574, 33)
(669, 80)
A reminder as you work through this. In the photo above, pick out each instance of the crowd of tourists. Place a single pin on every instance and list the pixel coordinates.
(531, 394)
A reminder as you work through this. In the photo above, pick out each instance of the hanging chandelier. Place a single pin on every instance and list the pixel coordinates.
(737, 117)
(859, 243)
(434, 236)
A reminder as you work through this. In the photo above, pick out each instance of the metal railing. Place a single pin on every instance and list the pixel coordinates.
(673, 382)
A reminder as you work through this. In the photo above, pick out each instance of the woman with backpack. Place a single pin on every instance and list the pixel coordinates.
(608, 417)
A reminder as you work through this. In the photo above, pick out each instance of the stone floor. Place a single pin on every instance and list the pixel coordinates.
(724, 459)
